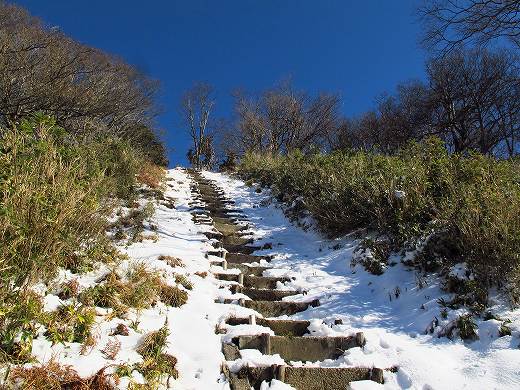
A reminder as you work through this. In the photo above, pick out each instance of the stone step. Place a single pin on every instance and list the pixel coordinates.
(236, 239)
(306, 349)
(257, 294)
(228, 220)
(302, 378)
(213, 235)
(199, 211)
(227, 228)
(269, 282)
(235, 217)
(198, 218)
(217, 244)
(230, 352)
(278, 308)
(246, 269)
(216, 253)
(279, 327)
(198, 222)
(227, 277)
(241, 258)
(220, 263)
(245, 249)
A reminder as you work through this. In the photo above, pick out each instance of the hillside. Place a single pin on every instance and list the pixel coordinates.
(393, 321)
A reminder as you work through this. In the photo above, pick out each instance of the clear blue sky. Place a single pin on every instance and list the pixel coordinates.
(358, 49)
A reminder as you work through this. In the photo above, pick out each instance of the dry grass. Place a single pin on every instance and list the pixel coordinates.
(184, 281)
(88, 345)
(120, 330)
(69, 289)
(173, 296)
(171, 261)
(53, 376)
(156, 363)
(141, 290)
(152, 175)
(112, 349)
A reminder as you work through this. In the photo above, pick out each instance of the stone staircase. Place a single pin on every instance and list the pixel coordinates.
(291, 339)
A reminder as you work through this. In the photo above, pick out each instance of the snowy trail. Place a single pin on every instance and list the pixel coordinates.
(395, 328)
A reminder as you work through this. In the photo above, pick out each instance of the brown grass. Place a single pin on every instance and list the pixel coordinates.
(53, 376)
(171, 261)
(150, 174)
(172, 295)
(112, 349)
(69, 289)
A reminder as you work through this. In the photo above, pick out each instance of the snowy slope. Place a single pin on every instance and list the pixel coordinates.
(192, 337)
(394, 326)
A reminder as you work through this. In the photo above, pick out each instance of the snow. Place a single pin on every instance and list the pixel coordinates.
(254, 358)
(275, 385)
(365, 385)
(399, 194)
(393, 310)
(192, 338)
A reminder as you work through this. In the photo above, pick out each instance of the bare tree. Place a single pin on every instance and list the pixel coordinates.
(196, 106)
(88, 91)
(471, 101)
(474, 99)
(282, 119)
(450, 23)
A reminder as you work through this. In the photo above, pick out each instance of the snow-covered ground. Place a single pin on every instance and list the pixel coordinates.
(192, 338)
(393, 310)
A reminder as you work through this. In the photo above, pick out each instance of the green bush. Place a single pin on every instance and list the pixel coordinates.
(468, 204)
(18, 312)
(69, 323)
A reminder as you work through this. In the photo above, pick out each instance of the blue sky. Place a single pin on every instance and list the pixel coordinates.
(358, 49)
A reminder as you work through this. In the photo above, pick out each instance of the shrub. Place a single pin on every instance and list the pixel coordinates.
(70, 323)
(50, 201)
(18, 314)
(467, 327)
(373, 255)
(466, 207)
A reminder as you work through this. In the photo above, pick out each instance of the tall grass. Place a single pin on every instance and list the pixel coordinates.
(470, 204)
(55, 196)
(50, 203)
